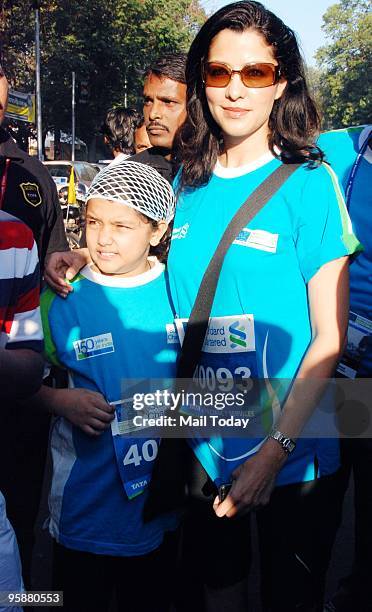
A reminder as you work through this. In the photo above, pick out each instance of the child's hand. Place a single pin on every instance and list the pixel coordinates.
(86, 409)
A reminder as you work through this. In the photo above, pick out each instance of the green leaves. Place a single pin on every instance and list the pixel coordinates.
(345, 63)
(103, 42)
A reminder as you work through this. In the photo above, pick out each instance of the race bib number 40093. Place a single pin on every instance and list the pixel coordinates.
(229, 352)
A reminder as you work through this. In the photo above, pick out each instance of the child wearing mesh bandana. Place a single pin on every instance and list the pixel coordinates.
(114, 330)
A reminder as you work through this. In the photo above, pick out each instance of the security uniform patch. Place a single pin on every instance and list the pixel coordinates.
(31, 193)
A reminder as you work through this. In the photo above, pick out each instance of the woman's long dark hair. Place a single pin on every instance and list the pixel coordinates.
(294, 120)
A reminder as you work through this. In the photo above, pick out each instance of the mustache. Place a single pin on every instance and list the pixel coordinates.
(156, 124)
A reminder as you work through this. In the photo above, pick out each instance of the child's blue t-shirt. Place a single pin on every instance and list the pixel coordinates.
(110, 333)
(260, 322)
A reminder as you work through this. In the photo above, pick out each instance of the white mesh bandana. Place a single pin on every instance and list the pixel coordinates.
(136, 185)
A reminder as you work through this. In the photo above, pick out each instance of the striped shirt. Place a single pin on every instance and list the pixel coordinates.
(20, 324)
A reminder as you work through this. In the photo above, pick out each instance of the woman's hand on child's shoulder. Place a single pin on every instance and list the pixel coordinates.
(88, 410)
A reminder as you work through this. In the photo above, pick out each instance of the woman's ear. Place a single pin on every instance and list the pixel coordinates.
(158, 233)
(282, 84)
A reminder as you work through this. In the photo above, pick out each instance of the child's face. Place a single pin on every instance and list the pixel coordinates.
(118, 238)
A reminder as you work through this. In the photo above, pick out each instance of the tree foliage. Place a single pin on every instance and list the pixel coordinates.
(314, 79)
(107, 44)
(346, 63)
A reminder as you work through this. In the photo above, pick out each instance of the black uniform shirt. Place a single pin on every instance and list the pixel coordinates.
(31, 195)
(155, 157)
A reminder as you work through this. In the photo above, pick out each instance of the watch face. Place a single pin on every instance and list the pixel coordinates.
(286, 443)
(289, 445)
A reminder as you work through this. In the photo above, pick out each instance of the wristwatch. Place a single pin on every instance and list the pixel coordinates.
(287, 444)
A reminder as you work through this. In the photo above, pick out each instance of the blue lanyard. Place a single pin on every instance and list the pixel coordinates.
(350, 184)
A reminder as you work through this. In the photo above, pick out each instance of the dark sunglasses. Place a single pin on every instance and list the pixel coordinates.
(217, 74)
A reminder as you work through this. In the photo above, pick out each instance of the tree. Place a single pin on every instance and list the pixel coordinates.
(107, 44)
(346, 64)
(17, 41)
(314, 79)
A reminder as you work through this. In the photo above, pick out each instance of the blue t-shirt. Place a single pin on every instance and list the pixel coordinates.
(342, 149)
(260, 323)
(110, 333)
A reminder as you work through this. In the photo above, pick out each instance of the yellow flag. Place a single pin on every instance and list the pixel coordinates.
(71, 194)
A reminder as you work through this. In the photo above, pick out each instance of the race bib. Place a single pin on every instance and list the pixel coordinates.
(358, 339)
(228, 362)
(134, 456)
(227, 365)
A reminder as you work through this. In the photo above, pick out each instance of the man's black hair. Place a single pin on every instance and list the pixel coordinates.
(119, 128)
(170, 66)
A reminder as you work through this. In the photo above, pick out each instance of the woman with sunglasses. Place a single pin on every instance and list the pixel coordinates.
(280, 310)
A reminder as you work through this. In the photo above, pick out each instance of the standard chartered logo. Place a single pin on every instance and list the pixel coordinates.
(237, 335)
(230, 334)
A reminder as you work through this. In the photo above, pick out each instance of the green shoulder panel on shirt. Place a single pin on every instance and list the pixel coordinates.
(46, 300)
(347, 130)
(79, 277)
(349, 239)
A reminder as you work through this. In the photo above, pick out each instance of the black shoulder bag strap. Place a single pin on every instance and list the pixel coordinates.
(167, 485)
(198, 322)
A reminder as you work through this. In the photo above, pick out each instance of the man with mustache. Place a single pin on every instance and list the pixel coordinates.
(164, 109)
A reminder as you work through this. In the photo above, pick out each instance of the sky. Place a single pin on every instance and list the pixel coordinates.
(303, 16)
